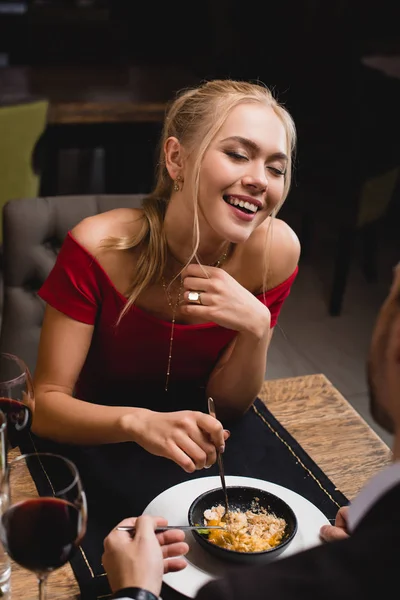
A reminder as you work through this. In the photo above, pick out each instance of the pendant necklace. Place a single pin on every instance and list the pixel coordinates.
(174, 307)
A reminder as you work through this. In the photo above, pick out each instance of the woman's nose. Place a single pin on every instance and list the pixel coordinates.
(256, 177)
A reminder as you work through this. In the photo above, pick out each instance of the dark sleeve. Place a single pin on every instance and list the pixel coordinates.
(216, 590)
(345, 570)
(134, 593)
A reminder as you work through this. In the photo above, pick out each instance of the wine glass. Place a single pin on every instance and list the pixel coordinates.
(42, 523)
(17, 399)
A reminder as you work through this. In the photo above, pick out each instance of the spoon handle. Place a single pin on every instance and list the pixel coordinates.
(212, 412)
(132, 528)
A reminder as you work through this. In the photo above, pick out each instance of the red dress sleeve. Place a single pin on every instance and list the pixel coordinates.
(72, 286)
(275, 297)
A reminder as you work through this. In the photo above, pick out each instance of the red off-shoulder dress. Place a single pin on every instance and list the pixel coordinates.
(126, 364)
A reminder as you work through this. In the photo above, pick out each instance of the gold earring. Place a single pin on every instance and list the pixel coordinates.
(176, 183)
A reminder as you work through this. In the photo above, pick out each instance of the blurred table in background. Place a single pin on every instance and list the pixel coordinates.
(90, 95)
(317, 415)
(118, 108)
(388, 65)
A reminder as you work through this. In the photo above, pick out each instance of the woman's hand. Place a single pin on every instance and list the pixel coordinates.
(141, 561)
(189, 438)
(223, 300)
(338, 531)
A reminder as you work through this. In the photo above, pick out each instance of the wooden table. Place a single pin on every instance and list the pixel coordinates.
(320, 419)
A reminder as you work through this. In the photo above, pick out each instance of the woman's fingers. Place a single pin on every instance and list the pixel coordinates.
(199, 448)
(198, 436)
(189, 438)
(190, 456)
(181, 458)
(196, 284)
(214, 429)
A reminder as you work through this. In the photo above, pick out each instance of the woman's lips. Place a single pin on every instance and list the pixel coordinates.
(244, 207)
(244, 216)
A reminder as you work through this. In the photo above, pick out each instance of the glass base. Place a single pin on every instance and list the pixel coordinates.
(5, 583)
(5, 587)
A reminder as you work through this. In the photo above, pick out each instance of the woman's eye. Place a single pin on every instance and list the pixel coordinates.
(277, 171)
(236, 156)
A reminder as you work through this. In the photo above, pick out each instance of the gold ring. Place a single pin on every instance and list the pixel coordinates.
(194, 297)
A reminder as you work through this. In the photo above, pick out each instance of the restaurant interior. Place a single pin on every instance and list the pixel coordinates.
(84, 85)
(106, 69)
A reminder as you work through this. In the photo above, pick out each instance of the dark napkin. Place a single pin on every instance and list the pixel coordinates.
(120, 480)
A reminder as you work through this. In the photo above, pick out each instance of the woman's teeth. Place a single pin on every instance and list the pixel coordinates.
(241, 204)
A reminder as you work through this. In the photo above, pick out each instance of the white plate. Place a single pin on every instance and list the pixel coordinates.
(173, 504)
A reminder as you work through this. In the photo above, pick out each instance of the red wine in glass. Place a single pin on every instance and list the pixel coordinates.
(16, 396)
(41, 534)
(41, 530)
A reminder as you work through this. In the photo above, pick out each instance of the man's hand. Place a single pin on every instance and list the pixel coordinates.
(141, 561)
(338, 531)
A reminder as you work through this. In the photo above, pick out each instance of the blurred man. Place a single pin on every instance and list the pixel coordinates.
(362, 559)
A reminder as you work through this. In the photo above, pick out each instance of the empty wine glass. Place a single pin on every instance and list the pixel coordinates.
(42, 523)
(17, 399)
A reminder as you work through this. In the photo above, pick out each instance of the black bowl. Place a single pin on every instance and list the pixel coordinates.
(241, 498)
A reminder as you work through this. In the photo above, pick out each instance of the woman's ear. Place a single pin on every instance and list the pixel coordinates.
(174, 159)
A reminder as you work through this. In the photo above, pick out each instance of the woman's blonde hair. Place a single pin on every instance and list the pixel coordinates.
(194, 117)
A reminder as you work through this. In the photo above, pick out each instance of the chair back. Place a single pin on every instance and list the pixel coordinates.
(21, 127)
(376, 195)
(34, 230)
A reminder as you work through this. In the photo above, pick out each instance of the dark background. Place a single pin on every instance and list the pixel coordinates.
(309, 52)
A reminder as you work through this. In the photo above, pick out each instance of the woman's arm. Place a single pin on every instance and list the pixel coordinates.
(239, 374)
(237, 378)
(63, 347)
(189, 438)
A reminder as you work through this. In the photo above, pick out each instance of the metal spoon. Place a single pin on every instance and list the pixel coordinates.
(211, 410)
(132, 528)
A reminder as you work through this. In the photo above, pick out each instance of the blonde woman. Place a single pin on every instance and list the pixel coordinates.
(151, 311)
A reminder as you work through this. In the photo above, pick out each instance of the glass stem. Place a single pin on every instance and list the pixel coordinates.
(42, 580)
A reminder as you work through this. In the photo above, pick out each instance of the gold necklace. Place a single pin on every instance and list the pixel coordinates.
(220, 260)
(174, 307)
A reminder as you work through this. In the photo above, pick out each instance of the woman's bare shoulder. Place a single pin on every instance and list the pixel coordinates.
(285, 252)
(92, 231)
(275, 245)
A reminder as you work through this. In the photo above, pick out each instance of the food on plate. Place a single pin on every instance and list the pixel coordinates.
(253, 530)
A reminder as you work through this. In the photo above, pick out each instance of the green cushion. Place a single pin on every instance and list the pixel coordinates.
(21, 126)
(376, 195)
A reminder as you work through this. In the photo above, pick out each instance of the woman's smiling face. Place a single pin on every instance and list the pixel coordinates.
(243, 171)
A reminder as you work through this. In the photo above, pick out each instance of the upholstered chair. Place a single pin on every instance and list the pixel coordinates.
(33, 231)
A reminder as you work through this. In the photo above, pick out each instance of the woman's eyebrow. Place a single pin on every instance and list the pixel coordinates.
(255, 147)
